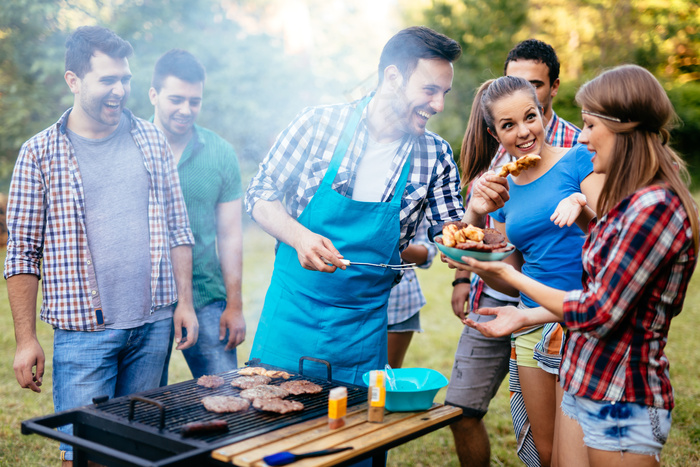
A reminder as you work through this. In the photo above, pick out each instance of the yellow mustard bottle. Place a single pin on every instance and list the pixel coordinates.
(337, 407)
(377, 397)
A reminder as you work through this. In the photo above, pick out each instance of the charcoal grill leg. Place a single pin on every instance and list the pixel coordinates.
(79, 458)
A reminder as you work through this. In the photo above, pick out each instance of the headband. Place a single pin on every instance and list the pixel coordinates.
(613, 119)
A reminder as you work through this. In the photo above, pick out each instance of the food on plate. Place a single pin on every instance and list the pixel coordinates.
(210, 381)
(467, 237)
(514, 168)
(223, 404)
(278, 405)
(264, 392)
(301, 386)
(197, 428)
(258, 370)
(459, 232)
(247, 382)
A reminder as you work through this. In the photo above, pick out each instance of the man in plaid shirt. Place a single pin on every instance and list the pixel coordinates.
(353, 181)
(472, 387)
(95, 205)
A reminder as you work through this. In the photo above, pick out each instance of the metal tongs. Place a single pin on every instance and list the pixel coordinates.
(396, 267)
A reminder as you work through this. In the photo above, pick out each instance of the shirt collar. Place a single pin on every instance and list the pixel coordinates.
(63, 121)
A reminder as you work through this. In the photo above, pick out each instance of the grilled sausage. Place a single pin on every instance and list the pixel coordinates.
(198, 428)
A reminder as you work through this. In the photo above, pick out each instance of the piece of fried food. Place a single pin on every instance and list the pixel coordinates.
(492, 241)
(459, 232)
(514, 168)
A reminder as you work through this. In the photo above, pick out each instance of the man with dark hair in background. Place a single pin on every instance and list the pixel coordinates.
(353, 181)
(95, 204)
(481, 363)
(211, 184)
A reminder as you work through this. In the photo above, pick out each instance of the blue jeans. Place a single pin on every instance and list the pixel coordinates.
(207, 356)
(113, 363)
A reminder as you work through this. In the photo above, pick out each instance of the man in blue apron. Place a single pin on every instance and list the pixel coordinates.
(353, 181)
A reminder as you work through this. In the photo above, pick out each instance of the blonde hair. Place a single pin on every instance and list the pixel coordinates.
(641, 155)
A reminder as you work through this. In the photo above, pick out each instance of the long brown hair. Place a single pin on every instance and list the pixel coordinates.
(478, 146)
(641, 155)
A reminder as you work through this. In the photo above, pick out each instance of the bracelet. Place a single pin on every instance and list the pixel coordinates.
(461, 280)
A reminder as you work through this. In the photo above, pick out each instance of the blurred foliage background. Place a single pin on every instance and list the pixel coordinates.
(267, 59)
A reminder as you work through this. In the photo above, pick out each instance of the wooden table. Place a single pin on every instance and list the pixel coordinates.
(369, 440)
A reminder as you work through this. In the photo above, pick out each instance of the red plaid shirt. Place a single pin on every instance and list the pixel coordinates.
(637, 263)
(46, 223)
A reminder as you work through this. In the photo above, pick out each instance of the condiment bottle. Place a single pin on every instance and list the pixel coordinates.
(337, 406)
(377, 397)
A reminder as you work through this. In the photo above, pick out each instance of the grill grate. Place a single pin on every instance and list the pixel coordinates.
(182, 403)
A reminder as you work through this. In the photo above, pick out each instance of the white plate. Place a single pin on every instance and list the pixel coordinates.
(456, 254)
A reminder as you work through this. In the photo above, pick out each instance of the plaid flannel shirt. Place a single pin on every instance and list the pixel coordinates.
(637, 262)
(294, 168)
(46, 223)
(558, 133)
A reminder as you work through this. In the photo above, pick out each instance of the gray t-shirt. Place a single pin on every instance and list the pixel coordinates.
(115, 183)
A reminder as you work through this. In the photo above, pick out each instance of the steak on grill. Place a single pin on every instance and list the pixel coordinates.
(301, 386)
(210, 381)
(247, 382)
(264, 392)
(278, 405)
(223, 404)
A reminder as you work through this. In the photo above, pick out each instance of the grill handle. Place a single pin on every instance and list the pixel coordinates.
(161, 408)
(317, 360)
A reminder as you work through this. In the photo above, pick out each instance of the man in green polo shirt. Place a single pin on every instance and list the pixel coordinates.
(211, 184)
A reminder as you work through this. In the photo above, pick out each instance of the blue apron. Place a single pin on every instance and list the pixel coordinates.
(339, 317)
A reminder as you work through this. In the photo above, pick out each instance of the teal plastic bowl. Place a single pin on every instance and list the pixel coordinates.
(415, 389)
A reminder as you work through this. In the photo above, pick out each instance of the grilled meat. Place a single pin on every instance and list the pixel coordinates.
(301, 386)
(223, 404)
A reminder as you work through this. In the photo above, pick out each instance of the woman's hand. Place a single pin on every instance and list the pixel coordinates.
(485, 269)
(568, 210)
(489, 193)
(508, 320)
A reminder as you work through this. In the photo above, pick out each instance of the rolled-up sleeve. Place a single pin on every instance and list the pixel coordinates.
(445, 203)
(283, 163)
(25, 216)
(643, 245)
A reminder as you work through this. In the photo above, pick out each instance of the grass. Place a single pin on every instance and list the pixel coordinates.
(433, 348)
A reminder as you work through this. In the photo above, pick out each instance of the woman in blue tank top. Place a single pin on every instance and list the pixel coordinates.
(544, 203)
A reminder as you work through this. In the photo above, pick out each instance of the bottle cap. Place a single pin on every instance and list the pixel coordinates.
(338, 393)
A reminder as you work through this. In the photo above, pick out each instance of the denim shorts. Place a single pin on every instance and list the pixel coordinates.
(619, 426)
(411, 324)
(113, 363)
(481, 364)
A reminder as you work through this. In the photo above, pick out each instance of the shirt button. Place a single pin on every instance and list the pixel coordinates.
(94, 292)
(89, 262)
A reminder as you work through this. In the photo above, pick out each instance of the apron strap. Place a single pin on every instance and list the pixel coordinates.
(344, 141)
(403, 181)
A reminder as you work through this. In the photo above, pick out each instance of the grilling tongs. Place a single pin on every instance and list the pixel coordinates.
(396, 267)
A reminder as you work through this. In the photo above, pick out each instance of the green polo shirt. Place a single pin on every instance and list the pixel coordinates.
(209, 175)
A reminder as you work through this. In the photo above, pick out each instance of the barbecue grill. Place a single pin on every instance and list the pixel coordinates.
(144, 429)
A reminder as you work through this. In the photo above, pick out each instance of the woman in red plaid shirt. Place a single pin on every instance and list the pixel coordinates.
(637, 261)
